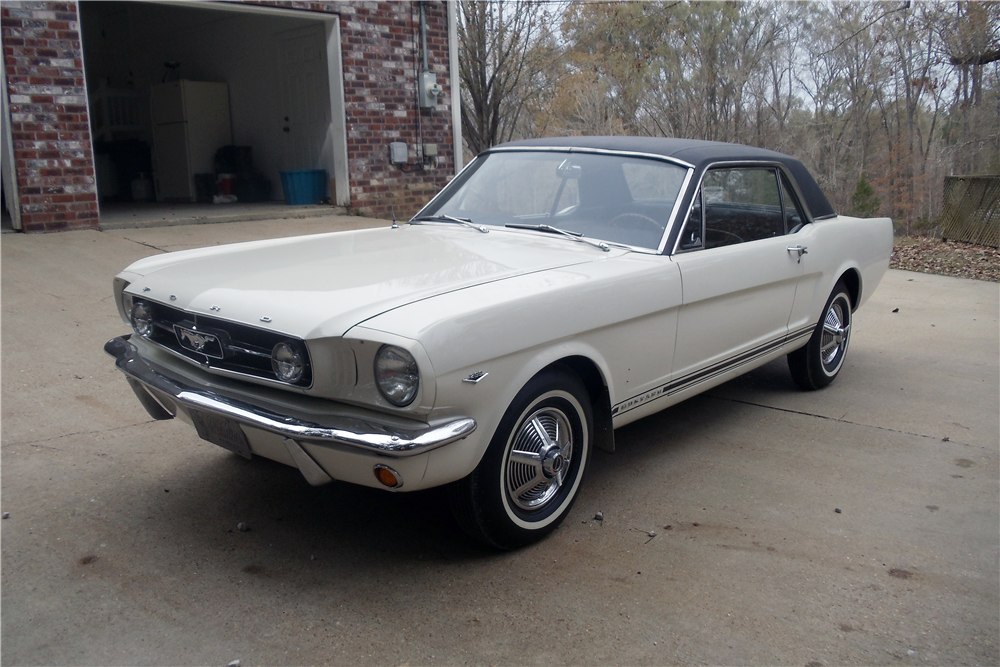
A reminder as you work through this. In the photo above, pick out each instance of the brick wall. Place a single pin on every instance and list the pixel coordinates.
(382, 46)
(381, 61)
(49, 120)
(382, 58)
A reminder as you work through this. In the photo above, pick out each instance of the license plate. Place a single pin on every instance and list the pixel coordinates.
(221, 431)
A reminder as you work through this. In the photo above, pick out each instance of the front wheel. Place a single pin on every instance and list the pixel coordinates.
(818, 363)
(529, 476)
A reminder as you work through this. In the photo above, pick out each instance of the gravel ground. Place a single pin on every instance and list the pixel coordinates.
(946, 258)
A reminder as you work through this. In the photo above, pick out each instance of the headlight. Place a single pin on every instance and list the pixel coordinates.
(396, 375)
(287, 362)
(142, 319)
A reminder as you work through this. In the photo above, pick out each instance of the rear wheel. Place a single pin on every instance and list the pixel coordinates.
(818, 363)
(530, 474)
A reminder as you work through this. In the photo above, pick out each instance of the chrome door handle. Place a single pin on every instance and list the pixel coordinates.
(800, 249)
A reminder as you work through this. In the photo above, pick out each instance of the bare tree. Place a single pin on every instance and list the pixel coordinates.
(895, 94)
(970, 32)
(495, 40)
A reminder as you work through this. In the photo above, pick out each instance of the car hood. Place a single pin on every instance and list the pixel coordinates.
(322, 285)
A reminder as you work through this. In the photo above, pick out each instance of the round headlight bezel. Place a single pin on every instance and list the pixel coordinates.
(142, 324)
(288, 362)
(397, 375)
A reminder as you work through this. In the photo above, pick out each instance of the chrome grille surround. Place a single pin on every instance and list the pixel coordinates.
(226, 346)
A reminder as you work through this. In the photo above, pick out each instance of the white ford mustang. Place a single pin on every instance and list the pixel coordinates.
(555, 290)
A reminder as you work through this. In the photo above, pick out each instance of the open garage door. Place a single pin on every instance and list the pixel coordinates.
(276, 64)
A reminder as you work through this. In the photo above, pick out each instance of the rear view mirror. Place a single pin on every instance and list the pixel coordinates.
(569, 170)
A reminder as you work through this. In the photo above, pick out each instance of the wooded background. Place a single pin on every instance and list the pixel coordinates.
(881, 100)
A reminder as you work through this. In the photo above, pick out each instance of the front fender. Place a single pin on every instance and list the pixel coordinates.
(489, 398)
(512, 329)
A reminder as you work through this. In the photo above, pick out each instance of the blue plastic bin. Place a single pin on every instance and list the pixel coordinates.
(303, 187)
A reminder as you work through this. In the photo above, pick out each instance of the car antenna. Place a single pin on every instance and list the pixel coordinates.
(394, 225)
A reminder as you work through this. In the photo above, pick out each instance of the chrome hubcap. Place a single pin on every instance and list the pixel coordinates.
(553, 462)
(539, 459)
(836, 330)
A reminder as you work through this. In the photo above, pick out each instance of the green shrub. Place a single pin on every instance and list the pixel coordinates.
(864, 203)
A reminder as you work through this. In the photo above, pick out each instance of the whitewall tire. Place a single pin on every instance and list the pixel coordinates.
(531, 472)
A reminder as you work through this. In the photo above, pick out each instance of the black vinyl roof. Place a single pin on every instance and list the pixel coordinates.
(700, 154)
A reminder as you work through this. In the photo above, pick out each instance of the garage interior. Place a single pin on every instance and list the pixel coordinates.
(270, 104)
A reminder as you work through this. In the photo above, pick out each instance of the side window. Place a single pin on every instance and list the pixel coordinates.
(742, 204)
(692, 232)
(793, 213)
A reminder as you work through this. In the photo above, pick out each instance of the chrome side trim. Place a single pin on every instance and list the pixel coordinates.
(370, 435)
(702, 375)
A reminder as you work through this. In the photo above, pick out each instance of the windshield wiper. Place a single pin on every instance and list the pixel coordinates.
(544, 228)
(451, 218)
(576, 236)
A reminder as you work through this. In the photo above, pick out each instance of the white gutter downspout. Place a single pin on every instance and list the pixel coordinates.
(456, 92)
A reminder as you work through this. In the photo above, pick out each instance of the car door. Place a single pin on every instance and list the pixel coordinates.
(738, 276)
(809, 293)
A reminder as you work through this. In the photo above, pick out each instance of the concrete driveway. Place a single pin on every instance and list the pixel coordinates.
(754, 525)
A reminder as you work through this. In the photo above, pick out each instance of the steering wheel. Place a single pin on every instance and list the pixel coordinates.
(645, 222)
(710, 230)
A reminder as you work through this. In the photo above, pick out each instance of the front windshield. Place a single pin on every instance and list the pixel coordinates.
(606, 197)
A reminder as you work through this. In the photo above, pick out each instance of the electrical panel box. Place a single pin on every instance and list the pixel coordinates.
(430, 150)
(398, 153)
(429, 90)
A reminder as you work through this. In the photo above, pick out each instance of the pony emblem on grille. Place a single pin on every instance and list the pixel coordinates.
(196, 341)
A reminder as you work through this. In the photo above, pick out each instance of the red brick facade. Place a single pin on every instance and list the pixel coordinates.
(381, 60)
(49, 119)
(380, 43)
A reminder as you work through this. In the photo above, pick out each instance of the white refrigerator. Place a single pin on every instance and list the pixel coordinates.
(190, 123)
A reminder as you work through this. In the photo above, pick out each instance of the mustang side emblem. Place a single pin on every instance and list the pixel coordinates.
(196, 341)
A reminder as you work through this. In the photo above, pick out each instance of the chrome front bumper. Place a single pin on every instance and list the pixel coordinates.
(366, 435)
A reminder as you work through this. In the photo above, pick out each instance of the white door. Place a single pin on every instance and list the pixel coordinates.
(737, 300)
(738, 276)
(305, 96)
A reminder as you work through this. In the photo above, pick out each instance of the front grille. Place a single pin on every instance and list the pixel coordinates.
(226, 345)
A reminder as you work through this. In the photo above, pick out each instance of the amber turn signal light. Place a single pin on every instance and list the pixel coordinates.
(387, 476)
